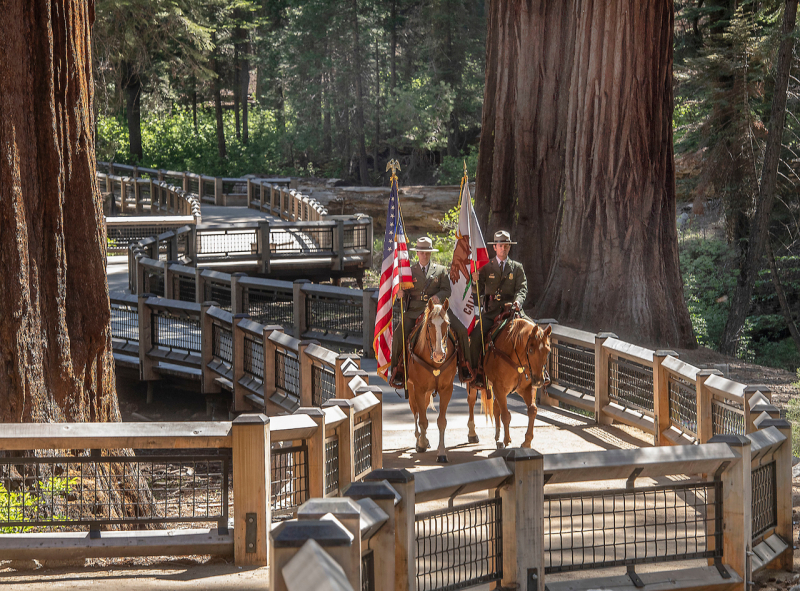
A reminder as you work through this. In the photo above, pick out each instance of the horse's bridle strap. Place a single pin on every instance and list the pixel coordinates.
(433, 369)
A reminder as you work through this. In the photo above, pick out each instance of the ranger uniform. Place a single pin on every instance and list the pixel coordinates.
(430, 281)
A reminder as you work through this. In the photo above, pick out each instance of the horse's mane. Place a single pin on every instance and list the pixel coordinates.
(519, 331)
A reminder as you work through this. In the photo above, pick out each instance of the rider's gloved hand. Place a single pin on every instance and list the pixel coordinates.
(507, 306)
(516, 306)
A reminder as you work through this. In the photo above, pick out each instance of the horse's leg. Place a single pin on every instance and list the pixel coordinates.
(422, 439)
(496, 410)
(412, 402)
(472, 397)
(529, 396)
(444, 399)
(500, 400)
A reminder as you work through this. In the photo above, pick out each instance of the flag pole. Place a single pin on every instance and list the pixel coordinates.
(395, 165)
(464, 179)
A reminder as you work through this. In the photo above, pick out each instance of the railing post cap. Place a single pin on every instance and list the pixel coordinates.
(339, 507)
(375, 489)
(251, 418)
(311, 411)
(708, 372)
(732, 440)
(516, 454)
(391, 475)
(605, 335)
(239, 274)
(777, 423)
(241, 315)
(273, 327)
(306, 342)
(144, 296)
(210, 303)
(546, 321)
(341, 402)
(666, 352)
(327, 533)
(757, 388)
(302, 281)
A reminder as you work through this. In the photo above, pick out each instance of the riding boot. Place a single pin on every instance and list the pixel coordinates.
(397, 378)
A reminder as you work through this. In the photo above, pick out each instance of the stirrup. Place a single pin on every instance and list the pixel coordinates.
(397, 379)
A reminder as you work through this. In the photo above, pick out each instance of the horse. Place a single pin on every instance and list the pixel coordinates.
(514, 362)
(431, 368)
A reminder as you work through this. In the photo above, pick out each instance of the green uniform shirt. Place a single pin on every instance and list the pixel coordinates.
(501, 287)
(435, 283)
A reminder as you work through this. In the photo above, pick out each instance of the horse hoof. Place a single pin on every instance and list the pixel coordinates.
(441, 459)
(500, 445)
(473, 439)
(421, 450)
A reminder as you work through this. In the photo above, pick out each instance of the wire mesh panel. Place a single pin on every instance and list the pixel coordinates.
(222, 339)
(289, 479)
(270, 306)
(765, 500)
(154, 282)
(226, 243)
(93, 490)
(331, 465)
(727, 418)
(630, 384)
(362, 448)
(175, 332)
(335, 315)
(683, 404)
(323, 385)
(287, 372)
(125, 321)
(184, 288)
(253, 357)
(220, 293)
(599, 529)
(308, 240)
(573, 366)
(460, 547)
(368, 571)
(355, 237)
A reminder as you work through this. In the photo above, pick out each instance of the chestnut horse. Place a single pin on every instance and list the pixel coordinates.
(514, 362)
(431, 368)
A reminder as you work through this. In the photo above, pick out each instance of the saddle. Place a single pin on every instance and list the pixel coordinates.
(500, 323)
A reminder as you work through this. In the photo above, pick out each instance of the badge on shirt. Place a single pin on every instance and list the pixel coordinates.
(491, 276)
(511, 276)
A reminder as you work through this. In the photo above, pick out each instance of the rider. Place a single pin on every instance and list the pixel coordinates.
(431, 282)
(502, 286)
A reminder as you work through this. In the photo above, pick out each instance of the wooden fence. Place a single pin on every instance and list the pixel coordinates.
(341, 318)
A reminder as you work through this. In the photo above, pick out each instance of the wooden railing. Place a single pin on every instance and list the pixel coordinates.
(341, 318)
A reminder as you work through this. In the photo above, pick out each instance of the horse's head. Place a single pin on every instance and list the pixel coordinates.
(537, 351)
(437, 329)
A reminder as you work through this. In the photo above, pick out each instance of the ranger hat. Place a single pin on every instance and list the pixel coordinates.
(502, 237)
(424, 244)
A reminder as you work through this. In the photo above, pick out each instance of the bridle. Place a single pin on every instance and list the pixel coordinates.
(522, 368)
(435, 370)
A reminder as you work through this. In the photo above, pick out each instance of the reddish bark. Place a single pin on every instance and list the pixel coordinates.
(55, 334)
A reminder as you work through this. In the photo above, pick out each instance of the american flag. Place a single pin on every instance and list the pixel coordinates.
(395, 275)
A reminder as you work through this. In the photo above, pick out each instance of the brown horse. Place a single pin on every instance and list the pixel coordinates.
(431, 368)
(514, 362)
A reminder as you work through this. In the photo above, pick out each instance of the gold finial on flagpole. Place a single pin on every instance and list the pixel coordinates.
(465, 168)
(394, 165)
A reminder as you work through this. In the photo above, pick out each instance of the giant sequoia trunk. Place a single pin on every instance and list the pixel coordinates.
(55, 333)
(616, 260)
(528, 63)
(132, 85)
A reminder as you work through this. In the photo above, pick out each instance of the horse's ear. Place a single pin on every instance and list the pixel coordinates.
(430, 305)
(547, 331)
(446, 305)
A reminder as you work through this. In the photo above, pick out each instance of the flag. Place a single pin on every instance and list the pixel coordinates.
(395, 275)
(469, 255)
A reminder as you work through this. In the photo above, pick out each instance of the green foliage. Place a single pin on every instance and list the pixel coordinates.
(793, 414)
(15, 505)
(451, 170)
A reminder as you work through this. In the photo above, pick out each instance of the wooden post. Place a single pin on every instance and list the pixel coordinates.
(338, 246)
(207, 383)
(290, 536)
(382, 543)
(251, 478)
(236, 295)
(306, 379)
(137, 198)
(316, 453)
(704, 405)
(140, 283)
(601, 378)
(737, 518)
(146, 333)
(783, 491)
(272, 200)
(347, 468)
(348, 513)
(343, 361)
(523, 520)
(299, 308)
(405, 546)
(199, 286)
(123, 202)
(200, 188)
(376, 416)
(239, 402)
(661, 397)
(151, 192)
(370, 311)
(249, 193)
(269, 360)
(264, 245)
(169, 287)
(219, 198)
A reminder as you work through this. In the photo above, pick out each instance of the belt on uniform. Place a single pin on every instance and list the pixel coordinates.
(419, 298)
(500, 298)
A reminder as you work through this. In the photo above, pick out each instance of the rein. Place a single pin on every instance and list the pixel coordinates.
(434, 369)
(519, 366)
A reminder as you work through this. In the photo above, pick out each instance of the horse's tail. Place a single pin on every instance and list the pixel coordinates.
(431, 405)
(486, 403)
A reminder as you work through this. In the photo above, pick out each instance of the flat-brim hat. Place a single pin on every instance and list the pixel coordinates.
(502, 237)
(424, 244)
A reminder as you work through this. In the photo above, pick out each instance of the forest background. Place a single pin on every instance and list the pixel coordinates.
(336, 88)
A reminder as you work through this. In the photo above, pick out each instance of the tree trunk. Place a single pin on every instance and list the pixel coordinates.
(362, 148)
(237, 88)
(245, 89)
(55, 331)
(784, 304)
(393, 69)
(327, 140)
(753, 249)
(194, 111)
(132, 86)
(376, 145)
(616, 260)
(218, 100)
(523, 142)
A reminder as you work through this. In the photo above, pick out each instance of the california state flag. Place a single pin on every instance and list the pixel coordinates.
(469, 255)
